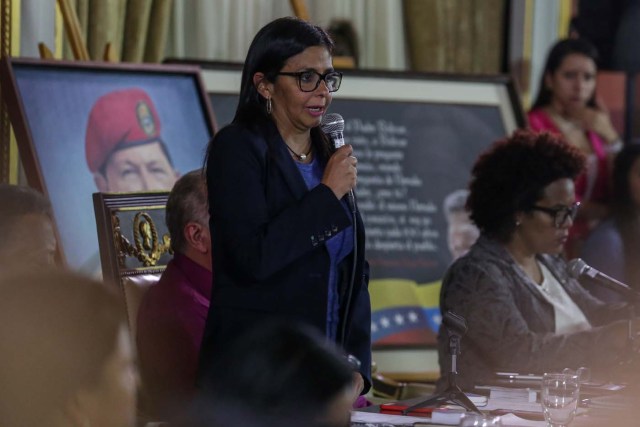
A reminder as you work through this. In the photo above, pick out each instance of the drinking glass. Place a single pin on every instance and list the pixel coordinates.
(583, 373)
(560, 393)
(471, 419)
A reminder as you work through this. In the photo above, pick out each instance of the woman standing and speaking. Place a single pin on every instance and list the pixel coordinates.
(285, 242)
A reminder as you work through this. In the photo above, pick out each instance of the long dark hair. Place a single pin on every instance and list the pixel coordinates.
(557, 54)
(625, 210)
(276, 42)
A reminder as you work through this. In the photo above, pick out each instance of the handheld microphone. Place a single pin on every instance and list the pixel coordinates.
(578, 268)
(333, 126)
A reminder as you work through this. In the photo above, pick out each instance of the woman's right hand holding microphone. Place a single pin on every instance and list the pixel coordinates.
(340, 174)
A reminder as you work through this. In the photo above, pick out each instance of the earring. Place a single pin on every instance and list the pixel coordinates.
(269, 107)
(517, 223)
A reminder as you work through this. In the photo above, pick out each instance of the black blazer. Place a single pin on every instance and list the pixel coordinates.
(267, 233)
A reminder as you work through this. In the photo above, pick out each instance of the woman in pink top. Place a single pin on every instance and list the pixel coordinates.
(566, 105)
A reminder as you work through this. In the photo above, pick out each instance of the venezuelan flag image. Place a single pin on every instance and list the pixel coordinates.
(404, 312)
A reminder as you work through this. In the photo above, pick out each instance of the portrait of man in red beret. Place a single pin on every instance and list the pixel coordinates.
(107, 128)
(123, 144)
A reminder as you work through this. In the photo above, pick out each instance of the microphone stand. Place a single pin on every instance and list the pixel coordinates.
(453, 393)
(632, 337)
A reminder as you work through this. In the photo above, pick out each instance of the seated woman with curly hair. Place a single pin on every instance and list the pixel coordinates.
(524, 313)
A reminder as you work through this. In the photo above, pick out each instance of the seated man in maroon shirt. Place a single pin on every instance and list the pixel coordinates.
(172, 314)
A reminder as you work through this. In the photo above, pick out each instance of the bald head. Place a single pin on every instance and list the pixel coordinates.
(187, 218)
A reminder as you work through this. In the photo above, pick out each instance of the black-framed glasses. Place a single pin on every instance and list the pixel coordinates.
(309, 80)
(561, 214)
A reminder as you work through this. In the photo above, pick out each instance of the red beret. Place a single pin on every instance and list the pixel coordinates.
(117, 120)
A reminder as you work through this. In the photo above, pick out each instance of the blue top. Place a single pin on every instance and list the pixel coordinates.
(339, 246)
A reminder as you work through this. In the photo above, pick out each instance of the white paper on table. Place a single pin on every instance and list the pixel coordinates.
(376, 418)
(508, 420)
(512, 405)
(534, 407)
(511, 420)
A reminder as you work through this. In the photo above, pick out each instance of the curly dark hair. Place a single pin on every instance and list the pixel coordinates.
(512, 174)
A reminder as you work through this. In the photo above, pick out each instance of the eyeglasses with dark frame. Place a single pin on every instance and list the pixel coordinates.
(560, 215)
(309, 80)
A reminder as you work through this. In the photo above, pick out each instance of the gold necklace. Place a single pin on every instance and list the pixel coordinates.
(301, 157)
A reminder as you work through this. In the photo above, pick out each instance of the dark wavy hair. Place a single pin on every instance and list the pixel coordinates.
(557, 54)
(625, 211)
(511, 176)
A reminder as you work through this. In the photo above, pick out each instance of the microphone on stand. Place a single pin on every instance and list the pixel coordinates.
(455, 323)
(578, 268)
(333, 126)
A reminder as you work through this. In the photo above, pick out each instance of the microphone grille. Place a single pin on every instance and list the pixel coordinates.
(576, 267)
(455, 322)
(331, 123)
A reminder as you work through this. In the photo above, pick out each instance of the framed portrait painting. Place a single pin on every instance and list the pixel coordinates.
(85, 127)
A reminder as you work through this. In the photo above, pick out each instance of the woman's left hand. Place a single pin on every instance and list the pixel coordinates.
(358, 385)
(598, 121)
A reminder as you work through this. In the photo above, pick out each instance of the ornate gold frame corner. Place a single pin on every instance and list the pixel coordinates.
(9, 45)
